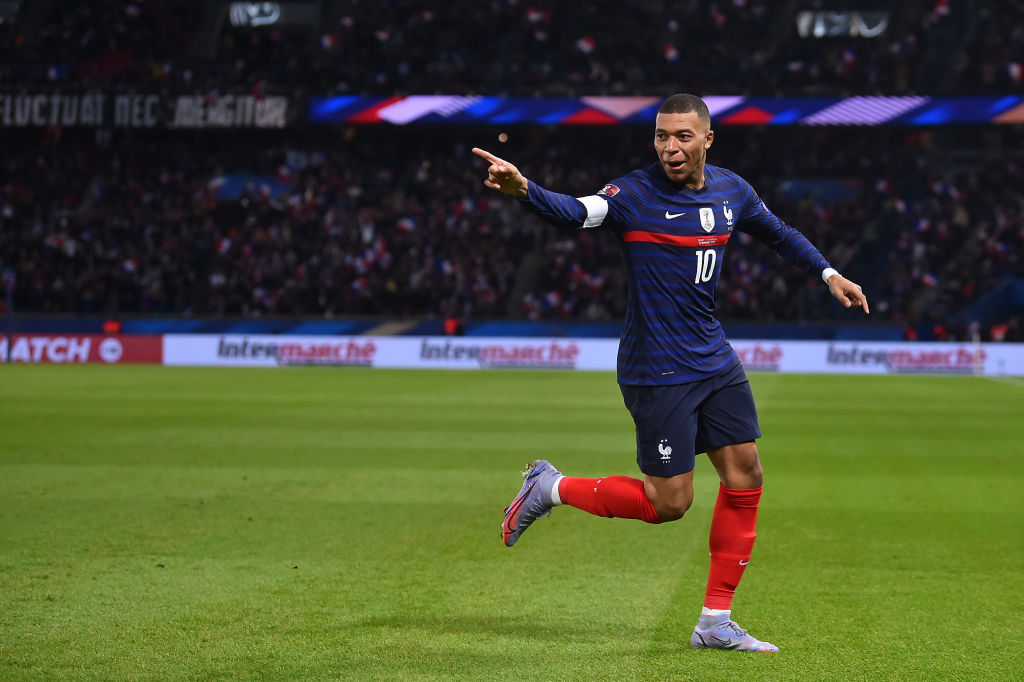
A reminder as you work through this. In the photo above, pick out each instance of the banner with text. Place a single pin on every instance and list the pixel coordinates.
(443, 352)
(108, 110)
(849, 357)
(389, 351)
(82, 348)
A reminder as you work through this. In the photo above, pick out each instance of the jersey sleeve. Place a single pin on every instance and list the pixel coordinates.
(760, 223)
(563, 210)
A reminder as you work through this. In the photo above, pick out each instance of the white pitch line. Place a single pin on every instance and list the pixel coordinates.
(1010, 381)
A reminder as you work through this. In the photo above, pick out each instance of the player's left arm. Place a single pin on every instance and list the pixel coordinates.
(846, 292)
(757, 221)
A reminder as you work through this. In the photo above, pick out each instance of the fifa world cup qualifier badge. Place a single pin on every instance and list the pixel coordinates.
(707, 218)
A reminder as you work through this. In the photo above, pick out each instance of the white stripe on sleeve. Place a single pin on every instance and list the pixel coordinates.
(597, 209)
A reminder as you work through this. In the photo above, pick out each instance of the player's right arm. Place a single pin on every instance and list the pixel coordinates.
(503, 176)
(557, 209)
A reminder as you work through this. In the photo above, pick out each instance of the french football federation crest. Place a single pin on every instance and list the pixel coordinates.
(727, 212)
(707, 219)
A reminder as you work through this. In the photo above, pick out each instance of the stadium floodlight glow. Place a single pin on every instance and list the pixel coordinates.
(254, 13)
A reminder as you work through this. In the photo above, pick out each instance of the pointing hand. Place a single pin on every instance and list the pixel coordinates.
(503, 176)
(848, 293)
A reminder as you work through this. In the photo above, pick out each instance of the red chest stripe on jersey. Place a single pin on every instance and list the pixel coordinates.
(659, 238)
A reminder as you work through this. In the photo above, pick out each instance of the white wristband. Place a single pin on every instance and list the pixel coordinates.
(828, 272)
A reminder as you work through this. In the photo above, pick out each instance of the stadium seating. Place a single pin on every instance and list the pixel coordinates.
(374, 221)
(542, 47)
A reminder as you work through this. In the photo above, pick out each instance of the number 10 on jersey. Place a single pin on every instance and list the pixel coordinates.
(705, 265)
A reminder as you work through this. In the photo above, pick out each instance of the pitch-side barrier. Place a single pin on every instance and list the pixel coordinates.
(443, 352)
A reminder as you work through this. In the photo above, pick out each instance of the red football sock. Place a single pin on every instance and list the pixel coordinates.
(731, 541)
(612, 496)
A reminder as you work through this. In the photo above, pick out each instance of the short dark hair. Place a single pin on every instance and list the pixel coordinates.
(682, 103)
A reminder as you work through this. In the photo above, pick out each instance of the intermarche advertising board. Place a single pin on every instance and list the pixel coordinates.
(446, 352)
(432, 352)
(426, 352)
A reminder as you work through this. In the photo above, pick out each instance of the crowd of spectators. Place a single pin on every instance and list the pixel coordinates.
(540, 47)
(386, 222)
(98, 224)
(120, 44)
(396, 221)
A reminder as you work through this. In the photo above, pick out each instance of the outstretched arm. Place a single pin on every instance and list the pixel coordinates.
(757, 221)
(847, 292)
(560, 210)
(503, 176)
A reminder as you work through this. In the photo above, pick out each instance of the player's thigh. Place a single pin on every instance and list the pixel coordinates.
(728, 415)
(666, 426)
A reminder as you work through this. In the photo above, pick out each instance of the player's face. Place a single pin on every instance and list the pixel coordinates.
(682, 142)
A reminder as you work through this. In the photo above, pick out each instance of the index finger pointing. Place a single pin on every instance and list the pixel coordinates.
(487, 155)
(861, 300)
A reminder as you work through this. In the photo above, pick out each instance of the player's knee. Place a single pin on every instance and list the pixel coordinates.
(755, 474)
(674, 507)
(739, 466)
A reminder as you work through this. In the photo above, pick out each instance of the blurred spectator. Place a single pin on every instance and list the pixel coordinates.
(114, 44)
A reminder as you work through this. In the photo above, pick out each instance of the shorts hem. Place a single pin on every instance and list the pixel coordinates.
(732, 441)
(665, 474)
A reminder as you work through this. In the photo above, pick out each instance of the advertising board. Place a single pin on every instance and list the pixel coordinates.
(444, 352)
(82, 348)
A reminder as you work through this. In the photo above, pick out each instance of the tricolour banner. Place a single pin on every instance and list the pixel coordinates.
(727, 110)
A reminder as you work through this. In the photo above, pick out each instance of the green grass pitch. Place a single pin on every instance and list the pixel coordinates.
(164, 523)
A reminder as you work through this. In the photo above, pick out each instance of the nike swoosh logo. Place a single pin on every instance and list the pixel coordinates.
(744, 563)
(670, 216)
(512, 512)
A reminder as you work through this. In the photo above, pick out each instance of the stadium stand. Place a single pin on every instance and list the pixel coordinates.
(541, 47)
(395, 223)
(384, 221)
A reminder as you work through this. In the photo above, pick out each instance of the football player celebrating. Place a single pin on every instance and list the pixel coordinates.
(680, 379)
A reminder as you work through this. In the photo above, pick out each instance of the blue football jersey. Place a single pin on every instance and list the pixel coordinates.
(673, 239)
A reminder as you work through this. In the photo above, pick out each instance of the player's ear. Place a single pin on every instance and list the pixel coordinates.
(709, 138)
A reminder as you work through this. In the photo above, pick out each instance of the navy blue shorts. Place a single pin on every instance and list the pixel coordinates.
(675, 423)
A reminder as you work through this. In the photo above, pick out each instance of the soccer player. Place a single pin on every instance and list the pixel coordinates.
(680, 379)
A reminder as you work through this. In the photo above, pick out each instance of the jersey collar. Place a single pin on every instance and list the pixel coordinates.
(661, 181)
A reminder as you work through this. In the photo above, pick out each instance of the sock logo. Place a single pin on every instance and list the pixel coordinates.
(744, 563)
(665, 450)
